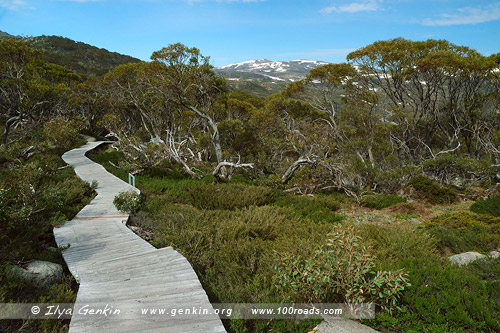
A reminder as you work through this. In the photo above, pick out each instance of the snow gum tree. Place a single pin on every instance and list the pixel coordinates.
(31, 91)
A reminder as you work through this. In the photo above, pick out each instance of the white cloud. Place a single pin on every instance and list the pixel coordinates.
(11, 4)
(467, 15)
(355, 7)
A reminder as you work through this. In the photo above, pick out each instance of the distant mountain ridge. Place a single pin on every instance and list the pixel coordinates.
(264, 77)
(79, 57)
(5, 35)
(285, 71)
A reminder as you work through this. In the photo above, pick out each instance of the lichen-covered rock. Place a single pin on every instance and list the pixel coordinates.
(494, 254)
(466, 258)
(39, 273)
(458, 182)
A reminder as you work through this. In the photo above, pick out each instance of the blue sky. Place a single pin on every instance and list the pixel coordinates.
(237, 30)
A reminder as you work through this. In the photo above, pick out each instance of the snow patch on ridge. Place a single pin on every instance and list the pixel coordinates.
(287, 71)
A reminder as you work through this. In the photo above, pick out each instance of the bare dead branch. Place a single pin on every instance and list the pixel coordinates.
(223, 164)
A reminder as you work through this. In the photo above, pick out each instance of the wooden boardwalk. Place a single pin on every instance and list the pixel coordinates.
(118, 269)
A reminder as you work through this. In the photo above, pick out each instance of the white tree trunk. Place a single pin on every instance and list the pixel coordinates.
(295, 166)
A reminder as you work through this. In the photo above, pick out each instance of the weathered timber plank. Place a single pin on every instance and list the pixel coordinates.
(115, 266)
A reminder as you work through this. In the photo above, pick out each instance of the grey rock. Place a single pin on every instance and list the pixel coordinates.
(457, 182)
(494, 254)
(342, 325)
(466, 258)
(134, 228)
(39, 273)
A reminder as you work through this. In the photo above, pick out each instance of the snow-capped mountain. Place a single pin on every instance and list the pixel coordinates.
(275, 71)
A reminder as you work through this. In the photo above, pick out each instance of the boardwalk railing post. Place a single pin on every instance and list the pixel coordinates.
(131, 179)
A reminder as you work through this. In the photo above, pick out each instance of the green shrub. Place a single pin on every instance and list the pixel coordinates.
(229, 196)
(109, 158)
(93, 185)
(387, 181)
(486, 270)
(15, 290)
(319, 208)
(406, 216)
(340, 271)
(489, 206)
(443, 298)
(232, 250)
(35, 196)
(432, 192)
(329, 201)
(8, 153)
(165, 170)
(391, 180)
(62, 132)
(128, 202)
(380, 201)
(394, 243)
(448, 168)
(36, 193)
(465, 231)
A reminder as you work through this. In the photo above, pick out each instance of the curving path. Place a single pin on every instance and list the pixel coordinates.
(117, 270)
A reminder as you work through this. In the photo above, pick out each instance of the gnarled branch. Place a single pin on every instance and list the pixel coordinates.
(223, 164)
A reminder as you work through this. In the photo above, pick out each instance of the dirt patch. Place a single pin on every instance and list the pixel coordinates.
(406, 212)
(419, 208)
